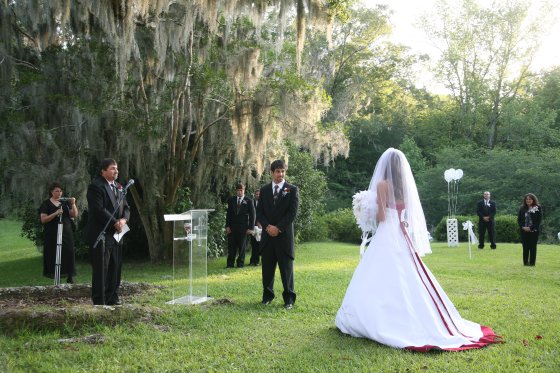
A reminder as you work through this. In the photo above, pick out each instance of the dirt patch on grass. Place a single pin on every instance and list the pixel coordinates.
(45, 307)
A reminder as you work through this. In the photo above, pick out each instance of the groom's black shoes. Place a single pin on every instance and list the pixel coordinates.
(266, 302)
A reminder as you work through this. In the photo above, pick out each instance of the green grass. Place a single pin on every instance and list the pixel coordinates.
(492, 288)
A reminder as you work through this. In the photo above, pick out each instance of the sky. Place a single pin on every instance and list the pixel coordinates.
(407, 12)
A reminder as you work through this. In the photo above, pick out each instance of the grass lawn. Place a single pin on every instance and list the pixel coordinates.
(493, 288)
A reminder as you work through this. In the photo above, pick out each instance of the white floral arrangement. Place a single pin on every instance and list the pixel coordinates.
(364, 207)
(534, 209)
(257, 232)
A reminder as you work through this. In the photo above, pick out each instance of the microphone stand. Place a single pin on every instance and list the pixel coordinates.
(101, 237)
(58, 250)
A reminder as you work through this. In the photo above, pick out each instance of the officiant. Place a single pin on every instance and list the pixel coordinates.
(106, 258)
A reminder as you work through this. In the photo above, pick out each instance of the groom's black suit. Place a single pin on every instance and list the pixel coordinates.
(279, 249)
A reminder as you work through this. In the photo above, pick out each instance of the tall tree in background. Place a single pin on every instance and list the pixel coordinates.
(486, 55)
(189, 102)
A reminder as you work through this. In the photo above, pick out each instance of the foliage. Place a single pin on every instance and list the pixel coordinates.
(547, 93)
(487, 52)
(342, 227)
(318, 232)
(413, 154)
(217, 240)
(31, 227)
(179, 95)
(507, 229)
(194, 338)
(312, 186)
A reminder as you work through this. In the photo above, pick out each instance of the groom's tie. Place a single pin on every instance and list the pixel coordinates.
(275, 196)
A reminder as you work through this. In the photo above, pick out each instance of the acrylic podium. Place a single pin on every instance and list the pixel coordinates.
(190, 253)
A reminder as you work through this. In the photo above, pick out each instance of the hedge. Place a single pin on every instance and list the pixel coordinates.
(342, 227)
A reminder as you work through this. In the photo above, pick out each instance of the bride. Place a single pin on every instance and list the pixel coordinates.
(393, 298)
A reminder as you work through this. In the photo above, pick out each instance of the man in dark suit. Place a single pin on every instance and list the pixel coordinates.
(276, 212)
(106, 258)
(255, 245)
(486, 211)
(240, 221)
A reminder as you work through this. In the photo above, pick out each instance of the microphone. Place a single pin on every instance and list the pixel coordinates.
(130, 182)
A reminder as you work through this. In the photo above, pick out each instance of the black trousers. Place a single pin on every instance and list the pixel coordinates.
(529, 241)
(484, 226)
(255, 251)
(237, 242)
(272, 256)
(106, 263)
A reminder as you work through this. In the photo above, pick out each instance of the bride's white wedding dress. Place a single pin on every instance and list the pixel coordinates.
(394, 299)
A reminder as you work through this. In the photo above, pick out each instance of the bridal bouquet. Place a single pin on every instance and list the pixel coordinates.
(364, 206)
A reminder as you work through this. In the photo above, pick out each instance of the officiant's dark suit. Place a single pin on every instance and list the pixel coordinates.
(276, 213)
(240, 221)
(106, 263)
(486, 211)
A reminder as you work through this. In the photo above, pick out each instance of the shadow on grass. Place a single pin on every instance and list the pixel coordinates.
(17, 272)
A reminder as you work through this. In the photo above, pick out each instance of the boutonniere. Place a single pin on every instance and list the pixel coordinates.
(243, 202)
(119, 187)
(533, 209)
(285, 191)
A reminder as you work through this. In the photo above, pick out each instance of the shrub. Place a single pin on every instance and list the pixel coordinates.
(318, 231)
(341, 226)
(32, 228)
(506, 228)
(217, 240)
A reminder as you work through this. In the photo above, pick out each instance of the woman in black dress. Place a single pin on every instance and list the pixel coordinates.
(529, 220)
(51, 210)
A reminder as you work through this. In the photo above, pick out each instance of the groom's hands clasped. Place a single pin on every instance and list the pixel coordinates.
(272, 230)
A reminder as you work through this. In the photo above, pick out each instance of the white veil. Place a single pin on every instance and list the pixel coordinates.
(392, 186)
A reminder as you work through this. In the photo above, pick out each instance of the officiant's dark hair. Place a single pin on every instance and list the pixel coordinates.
(105, 163)
(239, 186)
(278, 164)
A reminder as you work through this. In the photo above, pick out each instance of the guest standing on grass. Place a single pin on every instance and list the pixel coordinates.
(51, 211)
(529, 220)
(240, 221)
(486, 211)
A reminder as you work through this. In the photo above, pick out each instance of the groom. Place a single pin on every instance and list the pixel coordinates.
(276, 212)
